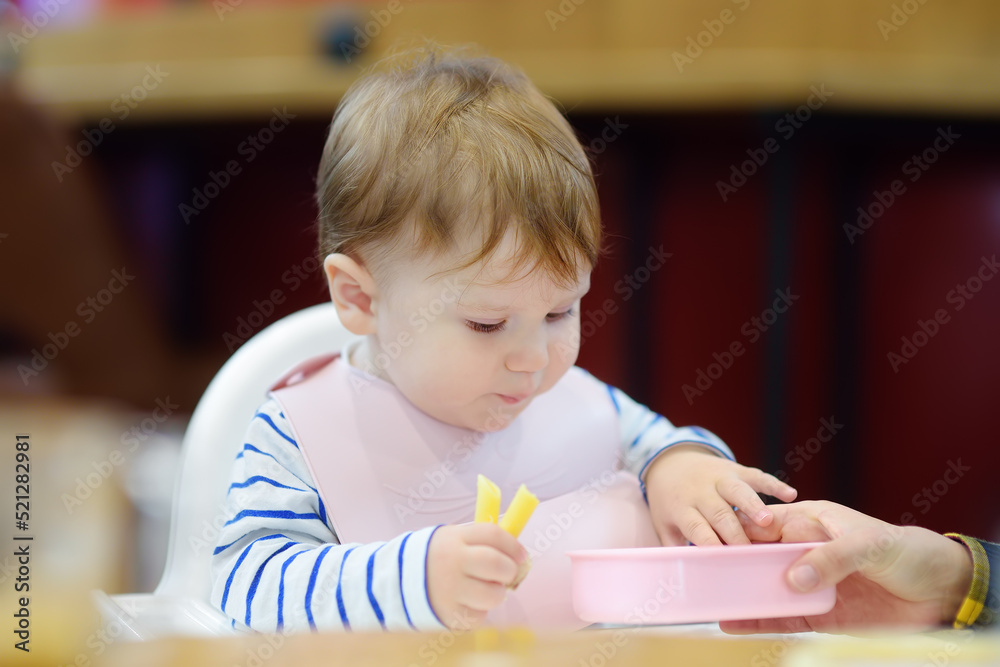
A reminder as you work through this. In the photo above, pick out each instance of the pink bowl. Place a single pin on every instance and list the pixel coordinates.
(691, 584)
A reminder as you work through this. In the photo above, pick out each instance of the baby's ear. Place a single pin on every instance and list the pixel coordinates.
(353, 290)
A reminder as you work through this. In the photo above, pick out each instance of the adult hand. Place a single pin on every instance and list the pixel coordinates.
(886, 575)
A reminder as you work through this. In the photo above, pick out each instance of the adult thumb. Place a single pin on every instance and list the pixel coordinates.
(832, 562)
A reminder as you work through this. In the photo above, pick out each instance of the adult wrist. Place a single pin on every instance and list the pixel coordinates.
(965, 597)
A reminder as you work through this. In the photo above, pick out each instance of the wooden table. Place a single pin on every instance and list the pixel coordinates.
(476, 649)
(687, 646)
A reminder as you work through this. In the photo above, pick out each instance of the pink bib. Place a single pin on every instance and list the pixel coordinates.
(384, 467)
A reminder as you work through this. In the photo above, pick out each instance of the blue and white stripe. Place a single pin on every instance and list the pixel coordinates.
(646, 434)
(278, 565)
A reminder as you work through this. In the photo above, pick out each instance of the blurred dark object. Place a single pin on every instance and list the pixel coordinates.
(75, 309)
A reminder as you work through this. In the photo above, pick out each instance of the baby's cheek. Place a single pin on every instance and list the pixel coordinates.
(563, 352)
(562, 356)
(449, 372)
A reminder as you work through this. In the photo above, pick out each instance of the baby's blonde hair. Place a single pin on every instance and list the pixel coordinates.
(444, 143)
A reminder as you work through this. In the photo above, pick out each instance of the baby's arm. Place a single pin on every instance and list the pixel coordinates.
(278, 564)
(646, 435)
(690, 478)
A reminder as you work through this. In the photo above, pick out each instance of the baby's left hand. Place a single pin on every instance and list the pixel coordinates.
(692, 492)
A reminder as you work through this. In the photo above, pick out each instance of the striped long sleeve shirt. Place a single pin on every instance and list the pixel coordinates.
(279, 566)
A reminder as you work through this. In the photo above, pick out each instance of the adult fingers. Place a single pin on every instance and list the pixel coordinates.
(757, 533)
(792, 523)
(831, 563)
(748, 627)
(776, 625)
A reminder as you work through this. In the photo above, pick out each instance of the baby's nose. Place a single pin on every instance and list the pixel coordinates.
(530, 356)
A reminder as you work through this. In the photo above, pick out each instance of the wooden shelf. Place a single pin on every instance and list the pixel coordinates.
(604, 57)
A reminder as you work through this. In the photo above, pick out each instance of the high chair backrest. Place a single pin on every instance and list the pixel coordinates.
(215, 435)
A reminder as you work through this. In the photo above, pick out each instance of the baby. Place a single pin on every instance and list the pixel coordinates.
(459, 222)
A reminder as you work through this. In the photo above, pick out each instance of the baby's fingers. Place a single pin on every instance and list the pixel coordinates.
(480, 595)
(757, 533)
(696, 529)
(739, 493)
(488, 564)
(706, 524)
(769, 484)
(724, 522)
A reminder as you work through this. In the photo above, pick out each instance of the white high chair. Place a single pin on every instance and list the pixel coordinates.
(180, 604)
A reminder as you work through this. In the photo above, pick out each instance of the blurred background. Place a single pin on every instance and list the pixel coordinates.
(802, 203)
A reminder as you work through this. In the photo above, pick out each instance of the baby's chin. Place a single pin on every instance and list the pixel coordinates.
(500, 415)
(495, 417)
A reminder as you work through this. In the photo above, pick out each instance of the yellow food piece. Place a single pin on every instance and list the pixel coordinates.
(486, 639)
(522, 572)
(487, 500)
(521, 639)
(519, 512)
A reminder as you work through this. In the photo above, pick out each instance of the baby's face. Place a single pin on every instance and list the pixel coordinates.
(472, 348)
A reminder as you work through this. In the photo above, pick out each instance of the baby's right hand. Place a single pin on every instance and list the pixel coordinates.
(469, 568)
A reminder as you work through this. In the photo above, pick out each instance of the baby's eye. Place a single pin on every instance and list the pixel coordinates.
(486, 328)
(555, 317)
